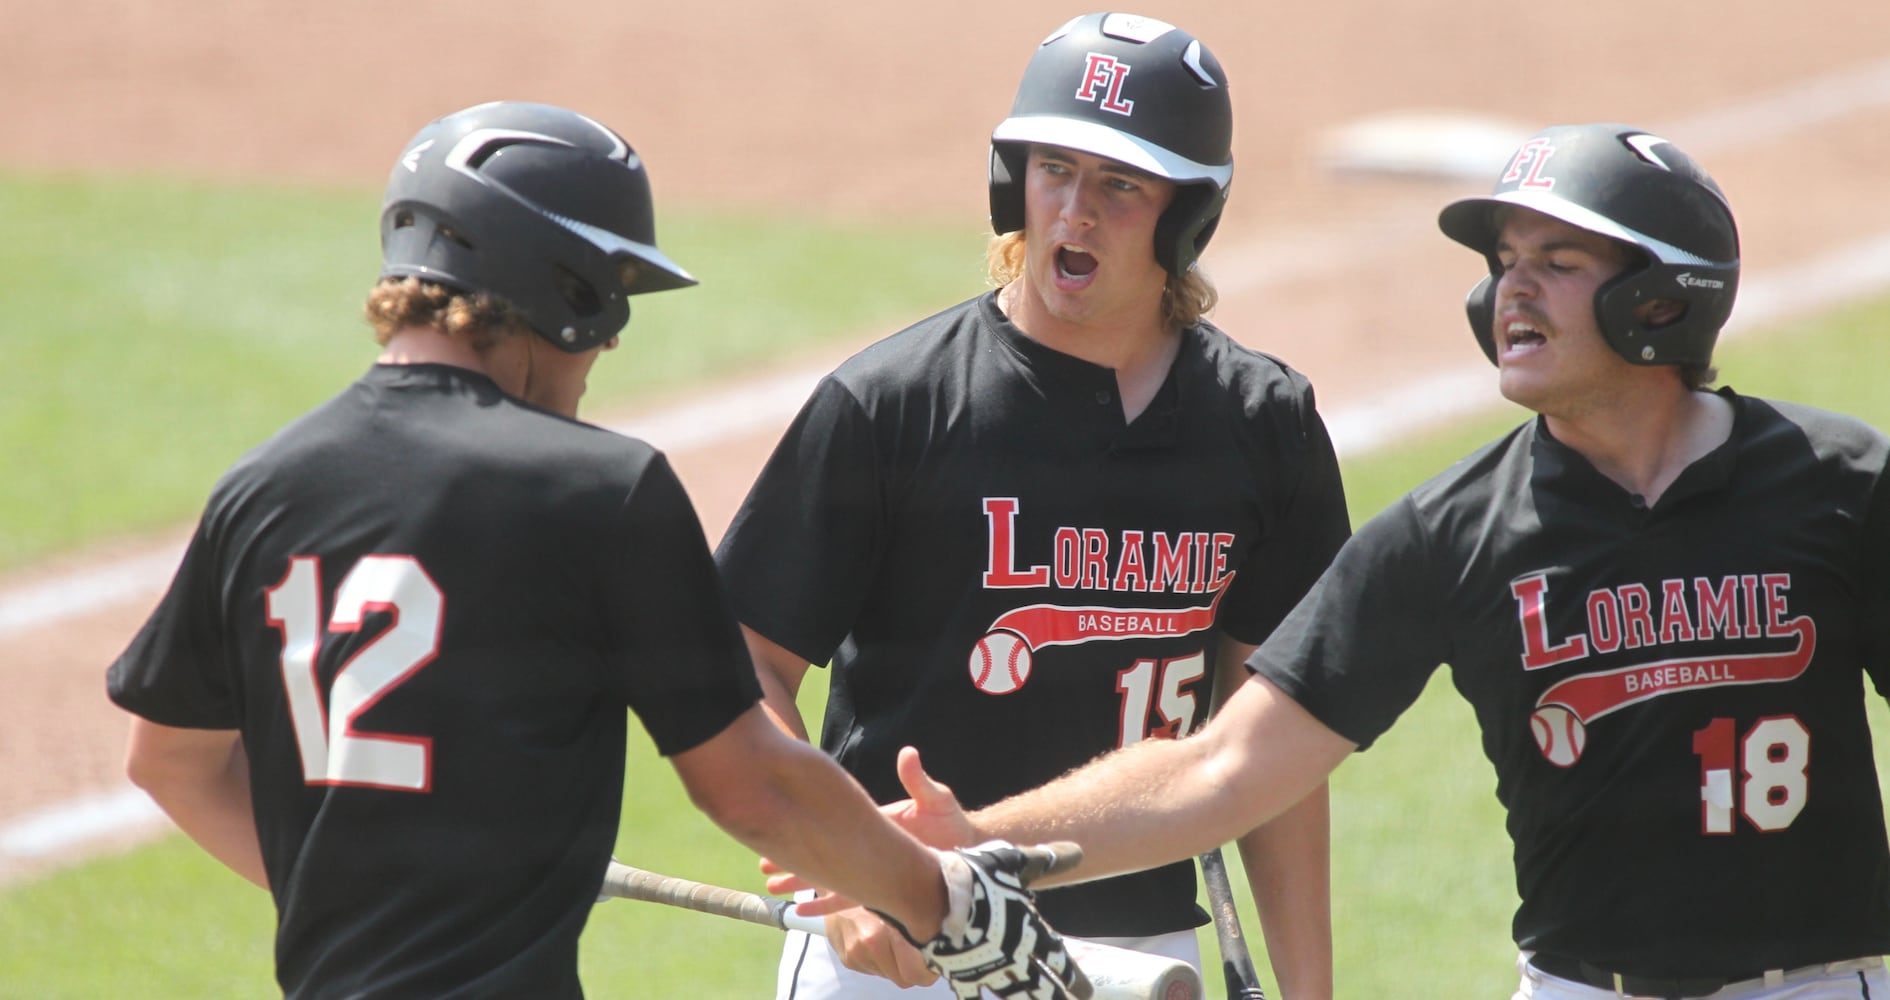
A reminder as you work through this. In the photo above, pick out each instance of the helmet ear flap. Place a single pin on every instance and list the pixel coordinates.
(1704, 291)
(1007, 187)
(1480, 306)
(1186, 226)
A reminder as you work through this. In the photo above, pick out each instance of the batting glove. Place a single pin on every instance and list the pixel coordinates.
(992, 937)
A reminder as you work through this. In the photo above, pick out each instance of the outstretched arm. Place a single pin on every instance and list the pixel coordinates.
(1139, 807)
(786, 800)
(1165, 800)
(201, 780)
(862, 941)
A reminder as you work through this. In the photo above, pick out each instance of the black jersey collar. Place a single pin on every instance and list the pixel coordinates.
(430, 375)
(1086, 388)
(1557, 463)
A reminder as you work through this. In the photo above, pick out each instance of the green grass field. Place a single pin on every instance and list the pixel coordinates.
(160, 329)
(174, 326)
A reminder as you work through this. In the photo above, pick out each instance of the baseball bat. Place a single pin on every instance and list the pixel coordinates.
(1114, 973)
(1236, 962)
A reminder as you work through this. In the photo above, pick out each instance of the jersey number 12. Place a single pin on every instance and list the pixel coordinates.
(333, 751)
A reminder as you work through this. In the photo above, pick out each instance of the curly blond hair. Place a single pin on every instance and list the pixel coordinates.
(1185, 301)
(482, 319)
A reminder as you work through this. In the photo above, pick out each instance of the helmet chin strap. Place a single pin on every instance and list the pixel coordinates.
(531, 363)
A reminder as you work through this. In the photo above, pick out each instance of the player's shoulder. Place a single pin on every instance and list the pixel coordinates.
(1249, 374)
(1826, 430)
(1246, 386)
(403, 418)
(915, 354)
(1466, 488)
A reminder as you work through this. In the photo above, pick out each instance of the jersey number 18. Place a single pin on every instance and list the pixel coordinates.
(1774, 755)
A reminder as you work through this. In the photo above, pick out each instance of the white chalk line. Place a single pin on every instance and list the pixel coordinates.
(1851, 274)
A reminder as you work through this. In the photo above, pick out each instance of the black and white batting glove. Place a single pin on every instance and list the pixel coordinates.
(993, 938)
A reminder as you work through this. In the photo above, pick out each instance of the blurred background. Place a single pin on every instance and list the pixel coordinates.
(189, 197)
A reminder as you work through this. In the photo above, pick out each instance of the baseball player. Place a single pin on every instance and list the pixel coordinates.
(388, 682)
(1660, 601)
(1033, 528)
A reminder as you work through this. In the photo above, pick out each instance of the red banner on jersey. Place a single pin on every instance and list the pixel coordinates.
(1053, 625)
(1591, 696)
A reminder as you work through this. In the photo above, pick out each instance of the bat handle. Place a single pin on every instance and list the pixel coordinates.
(1236, 963)
(791, 919)
(1042, 860)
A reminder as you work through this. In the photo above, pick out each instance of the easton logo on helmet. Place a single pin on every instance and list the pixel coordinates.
(1103, 77)
(412, 160)
(1687, 280)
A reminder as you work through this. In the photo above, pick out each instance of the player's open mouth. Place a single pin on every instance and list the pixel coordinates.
(1522, 335)
(1075, 262)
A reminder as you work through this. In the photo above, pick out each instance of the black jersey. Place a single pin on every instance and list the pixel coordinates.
(1010, 577)
(1671, 695)
(425, 605)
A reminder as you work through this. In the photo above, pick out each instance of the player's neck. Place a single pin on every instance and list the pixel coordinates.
(1139, 347)
(424, 345)
(1643, 444)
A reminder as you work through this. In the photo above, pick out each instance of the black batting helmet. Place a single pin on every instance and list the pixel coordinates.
(1630, 186)
(1135, 90)
(535, 204)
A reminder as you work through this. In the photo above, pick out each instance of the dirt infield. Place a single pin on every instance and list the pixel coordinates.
(883, 110)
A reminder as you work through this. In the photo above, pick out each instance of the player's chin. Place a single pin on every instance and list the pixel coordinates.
(1522, 387)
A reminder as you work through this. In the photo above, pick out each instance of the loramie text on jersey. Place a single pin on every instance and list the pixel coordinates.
(1749, 606)
(1180, 562)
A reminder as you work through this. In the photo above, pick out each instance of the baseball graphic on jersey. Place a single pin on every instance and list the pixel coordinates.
(1559, 734)
(1000, 662)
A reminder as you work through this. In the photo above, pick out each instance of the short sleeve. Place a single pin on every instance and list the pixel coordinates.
(176, 672)
(816, 513)
(1311, 526)
(1358, 650)
(1876, 587)
(681, 663)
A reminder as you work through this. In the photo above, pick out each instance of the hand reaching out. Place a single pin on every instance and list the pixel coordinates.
(932, 814)
(865, 943)
(993, 938)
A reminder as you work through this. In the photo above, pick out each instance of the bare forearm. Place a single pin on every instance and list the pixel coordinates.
(780, 673)
(201, 780)
(792, 804)
(223, 823)
(779, 703)
(1136, 808)
(1288, 864)
(1166, 800)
